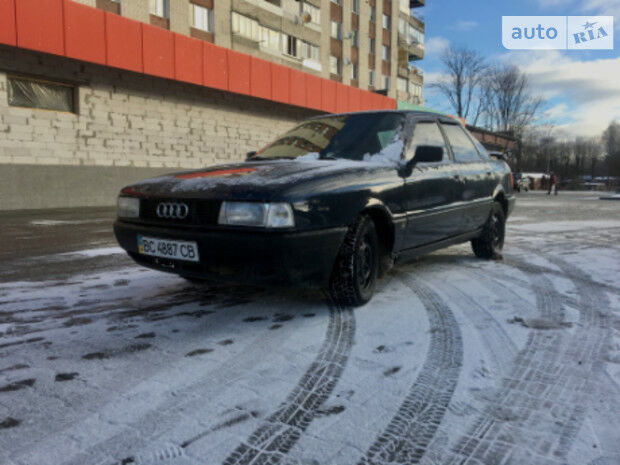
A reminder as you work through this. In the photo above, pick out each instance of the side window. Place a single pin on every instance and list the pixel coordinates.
(427, 133)
(481, 150)
(462, 146)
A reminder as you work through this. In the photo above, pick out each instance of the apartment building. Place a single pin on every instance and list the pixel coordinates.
(370, 44)
(96, 94)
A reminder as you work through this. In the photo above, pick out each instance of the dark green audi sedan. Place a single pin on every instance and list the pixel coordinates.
(332, 203)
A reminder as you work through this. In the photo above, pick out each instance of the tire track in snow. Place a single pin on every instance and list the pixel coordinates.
(145, 435)
(274, 438)
(540, 406)
(499, 345)
(405, 439)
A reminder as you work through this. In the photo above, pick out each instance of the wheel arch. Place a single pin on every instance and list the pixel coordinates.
(500, 196)
(382, 218)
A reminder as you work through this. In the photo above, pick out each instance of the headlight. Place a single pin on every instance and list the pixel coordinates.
(128, 207)
(266, 215)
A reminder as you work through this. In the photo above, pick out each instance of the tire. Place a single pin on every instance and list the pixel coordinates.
(489, 244)
(354, 277)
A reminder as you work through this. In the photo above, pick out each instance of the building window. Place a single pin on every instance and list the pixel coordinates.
(334, 65)
(290, 46)
(386, 82)
(356, 6)
(202, 18)
(416, 90)
(244, 26)
(337, 30)
(372, 45)
(402, 84)
(44, 95)
(312, 52)
(160, 8)
(354, 72)
(371, 77)
(270, 39)
(372, 13)
(314, 12)
(355, 39)
(387, 53)
(337, 2)
(386, 21)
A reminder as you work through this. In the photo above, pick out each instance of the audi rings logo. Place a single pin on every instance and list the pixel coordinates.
(172, 210)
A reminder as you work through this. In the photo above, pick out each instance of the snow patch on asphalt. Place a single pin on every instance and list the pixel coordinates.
(562, 226)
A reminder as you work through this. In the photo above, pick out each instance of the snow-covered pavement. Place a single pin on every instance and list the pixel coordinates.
(455, 360)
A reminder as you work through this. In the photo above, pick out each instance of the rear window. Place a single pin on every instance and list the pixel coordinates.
(462, 146)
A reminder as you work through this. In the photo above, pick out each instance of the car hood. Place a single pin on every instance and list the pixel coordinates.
(255, 180)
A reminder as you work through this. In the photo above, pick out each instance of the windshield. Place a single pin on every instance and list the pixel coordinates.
(350, 137)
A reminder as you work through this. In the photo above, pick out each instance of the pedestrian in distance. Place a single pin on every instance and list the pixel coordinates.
(553, 183)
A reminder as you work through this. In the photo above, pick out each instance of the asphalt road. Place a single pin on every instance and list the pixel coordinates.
(455, 360)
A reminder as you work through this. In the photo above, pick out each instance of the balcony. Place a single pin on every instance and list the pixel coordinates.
(409, 49)
(408, 98)
(413, 74)
(416, 22)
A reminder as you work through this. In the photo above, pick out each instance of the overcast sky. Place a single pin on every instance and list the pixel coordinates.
(581, 89)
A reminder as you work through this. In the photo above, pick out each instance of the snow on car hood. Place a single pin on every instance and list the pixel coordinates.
(263, 176)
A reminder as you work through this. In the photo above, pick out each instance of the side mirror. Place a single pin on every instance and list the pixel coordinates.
(427, 154)
(250, 154)
(423, 154)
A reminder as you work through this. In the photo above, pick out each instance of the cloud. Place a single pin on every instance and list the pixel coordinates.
(433, 78)
(603, 8)
(590, 90)
(591, 7)
(464, 25)
(436, 45)
(556, 111)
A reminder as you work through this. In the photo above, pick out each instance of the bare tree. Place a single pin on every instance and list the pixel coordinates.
(465, 70)
(611, 143)
(587, 154)
(512, 105)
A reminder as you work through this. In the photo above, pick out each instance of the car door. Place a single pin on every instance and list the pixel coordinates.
(431, 191)
(475, 201)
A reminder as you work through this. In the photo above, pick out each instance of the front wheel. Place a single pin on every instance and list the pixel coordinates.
(489, 244)
(355, 273)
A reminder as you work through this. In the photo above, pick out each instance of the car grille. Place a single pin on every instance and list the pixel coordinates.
(201, 212)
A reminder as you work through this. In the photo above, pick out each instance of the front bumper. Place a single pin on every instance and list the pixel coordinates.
(301, 259)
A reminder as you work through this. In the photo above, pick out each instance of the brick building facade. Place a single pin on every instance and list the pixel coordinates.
(128, 127)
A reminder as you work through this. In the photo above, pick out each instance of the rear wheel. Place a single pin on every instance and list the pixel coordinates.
(355, 273)
(490, 243)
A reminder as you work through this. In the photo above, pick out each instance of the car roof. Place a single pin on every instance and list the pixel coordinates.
(421, 113)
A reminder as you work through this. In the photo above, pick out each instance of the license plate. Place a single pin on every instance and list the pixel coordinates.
(164, 248)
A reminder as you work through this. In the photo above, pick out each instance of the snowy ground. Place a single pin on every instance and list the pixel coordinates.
(455, 360)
